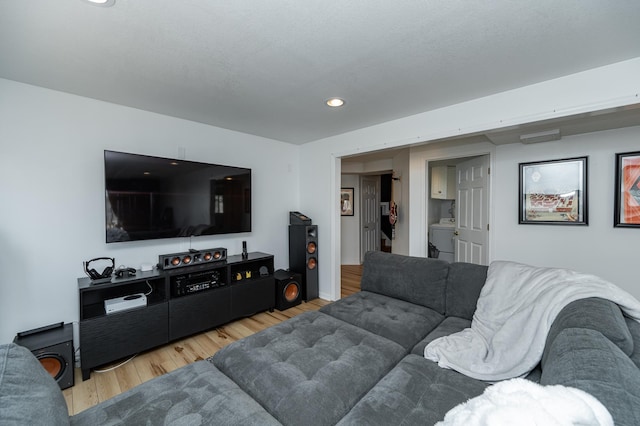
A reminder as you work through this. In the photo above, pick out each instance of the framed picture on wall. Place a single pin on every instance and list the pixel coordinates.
(554, 192)
(627, 190)
(346, 201)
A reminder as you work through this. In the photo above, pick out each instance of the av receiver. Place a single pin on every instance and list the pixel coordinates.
(194, 282)
(191, 257)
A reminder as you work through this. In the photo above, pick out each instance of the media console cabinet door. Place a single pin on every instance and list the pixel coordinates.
(250, 297)
(198, 312)
(118, 335)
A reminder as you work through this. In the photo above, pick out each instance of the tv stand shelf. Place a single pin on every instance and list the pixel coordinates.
(169, 314)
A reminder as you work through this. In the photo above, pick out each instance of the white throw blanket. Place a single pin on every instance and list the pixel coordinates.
(514, 313)
(522, 402)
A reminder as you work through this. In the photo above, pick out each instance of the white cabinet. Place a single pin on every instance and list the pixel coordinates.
(443, 182)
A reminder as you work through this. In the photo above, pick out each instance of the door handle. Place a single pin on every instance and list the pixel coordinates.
(456, 233)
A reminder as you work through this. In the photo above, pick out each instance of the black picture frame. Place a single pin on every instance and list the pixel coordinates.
(554, 192)
(627, 190)
(346, 202)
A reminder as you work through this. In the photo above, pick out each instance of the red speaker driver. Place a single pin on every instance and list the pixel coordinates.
(53, 363)
(311, 247)
(311, 263)
(291, 291)
(217, 255)
(207, 256)
(186, 260)
(175, 261)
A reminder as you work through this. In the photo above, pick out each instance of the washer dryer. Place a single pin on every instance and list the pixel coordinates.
(441, 236)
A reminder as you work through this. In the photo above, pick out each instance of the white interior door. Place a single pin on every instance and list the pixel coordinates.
(369, 214)
(472, 223)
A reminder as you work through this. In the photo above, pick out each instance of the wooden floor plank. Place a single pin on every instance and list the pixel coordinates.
(186, 351)
(84, 393)
(219, 337)
(147, 365)
(154, 363)
(127, 376)
(237, 330)
(208, 346)
(350, 276)
(107, 385)
(68, 397)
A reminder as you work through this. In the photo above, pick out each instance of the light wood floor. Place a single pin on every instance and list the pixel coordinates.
(350, 279)
(147, 365)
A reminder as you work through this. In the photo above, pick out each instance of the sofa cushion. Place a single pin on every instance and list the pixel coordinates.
(196, 394)
(310, 369)
(587, 360)
(448, 326)
(402, 322)
(634, 329)
(595, 314)
(464, 283)
(28, 394)
(416, 280)
(415, 392)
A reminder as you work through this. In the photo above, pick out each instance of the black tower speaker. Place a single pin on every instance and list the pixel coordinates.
(303, 257)
(53, 347)
(288, 289)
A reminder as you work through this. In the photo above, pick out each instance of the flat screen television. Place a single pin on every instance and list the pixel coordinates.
(153, 197)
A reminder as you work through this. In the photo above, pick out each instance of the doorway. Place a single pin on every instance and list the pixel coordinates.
(369, 227)
(369, 214)
(458, 209)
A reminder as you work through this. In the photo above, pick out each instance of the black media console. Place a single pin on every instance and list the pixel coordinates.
(179, 302)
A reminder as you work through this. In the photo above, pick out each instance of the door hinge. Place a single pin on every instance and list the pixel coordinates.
(488, 170)
(487, 226)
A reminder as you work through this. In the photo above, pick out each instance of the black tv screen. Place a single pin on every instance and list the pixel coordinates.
(152, 197)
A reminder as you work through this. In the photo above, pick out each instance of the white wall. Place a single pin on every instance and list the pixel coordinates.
(598, 248)
(600, 88)
(52, 192)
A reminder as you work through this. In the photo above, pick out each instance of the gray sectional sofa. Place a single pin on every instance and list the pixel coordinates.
(357, 361)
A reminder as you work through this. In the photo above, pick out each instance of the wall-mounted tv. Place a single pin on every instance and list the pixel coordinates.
(153, 197)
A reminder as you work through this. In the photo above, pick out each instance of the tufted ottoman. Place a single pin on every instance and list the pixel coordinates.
(415, 392)
(403, 322)
(309, 370)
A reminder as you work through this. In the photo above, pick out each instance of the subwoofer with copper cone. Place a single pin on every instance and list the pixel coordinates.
(190, 258)
(52, 345)
(288, 289)
(303, 258)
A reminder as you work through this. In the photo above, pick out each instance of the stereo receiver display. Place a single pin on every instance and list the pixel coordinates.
(194, 282)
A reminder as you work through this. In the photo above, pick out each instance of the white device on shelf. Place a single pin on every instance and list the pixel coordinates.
(145, 267)
(127, 302)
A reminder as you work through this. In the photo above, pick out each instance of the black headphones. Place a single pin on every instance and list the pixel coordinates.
(106, 273)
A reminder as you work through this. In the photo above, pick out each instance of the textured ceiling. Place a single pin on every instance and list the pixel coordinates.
(266, 67)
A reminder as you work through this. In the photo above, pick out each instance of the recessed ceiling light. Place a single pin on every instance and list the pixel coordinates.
(104, 3)
(335, 102)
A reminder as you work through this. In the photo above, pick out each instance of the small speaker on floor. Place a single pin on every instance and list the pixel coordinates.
(288, 290)
(52, 345)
